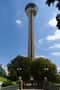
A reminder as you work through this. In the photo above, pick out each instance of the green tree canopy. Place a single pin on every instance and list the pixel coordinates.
(41, 68)
(49, 2)
(36, 68)
(18, 63)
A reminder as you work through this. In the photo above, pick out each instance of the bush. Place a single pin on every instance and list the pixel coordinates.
(6, 82)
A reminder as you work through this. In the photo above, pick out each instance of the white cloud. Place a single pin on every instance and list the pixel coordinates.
(56, 54)
(38, 43)
(58, 69)
(43, 56)
(18, 22)
(52, 22)
(37, 56)
(55, 46)
(55, 36)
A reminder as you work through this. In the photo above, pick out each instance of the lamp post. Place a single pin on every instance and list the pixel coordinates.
(19, 69)
(46, 69)
(45, 82)
(20, 80)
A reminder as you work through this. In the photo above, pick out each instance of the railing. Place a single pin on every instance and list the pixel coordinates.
(54, 87)
(13, 87)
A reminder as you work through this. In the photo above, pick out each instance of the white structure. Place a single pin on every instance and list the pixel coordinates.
(6, 69)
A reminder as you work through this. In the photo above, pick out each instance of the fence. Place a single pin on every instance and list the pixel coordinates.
(54, 87)
(13, 87)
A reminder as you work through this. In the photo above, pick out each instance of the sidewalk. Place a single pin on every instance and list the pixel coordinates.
(32, 89)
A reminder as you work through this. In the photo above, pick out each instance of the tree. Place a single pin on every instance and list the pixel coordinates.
(57, 78)
(16, 64)
(49, 2)
(41, 68)
(2, 72)
(37, 68)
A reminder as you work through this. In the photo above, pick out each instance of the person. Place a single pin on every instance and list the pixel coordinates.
(45, 83)
(20, 84)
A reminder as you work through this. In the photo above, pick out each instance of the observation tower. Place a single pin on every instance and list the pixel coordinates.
(31, 11)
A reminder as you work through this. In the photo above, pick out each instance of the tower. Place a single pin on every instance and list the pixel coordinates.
(31, 11)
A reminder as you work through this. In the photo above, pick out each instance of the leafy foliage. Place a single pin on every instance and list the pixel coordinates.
(57, 78)
(41, 68)
(5, 81)
(35, 68)
(49, 2)
(58, 20)
(17, 63)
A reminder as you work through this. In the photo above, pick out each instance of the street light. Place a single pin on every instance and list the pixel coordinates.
(46, 69)
(19, 69)
(20, 80)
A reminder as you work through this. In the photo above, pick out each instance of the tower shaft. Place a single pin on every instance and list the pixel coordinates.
(31, 11)
(31, 54)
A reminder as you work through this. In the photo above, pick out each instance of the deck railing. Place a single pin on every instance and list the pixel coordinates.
(13, 87)
(54, 87)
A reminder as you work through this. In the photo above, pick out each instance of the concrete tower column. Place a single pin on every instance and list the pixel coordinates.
(31, 50)
(31, 10)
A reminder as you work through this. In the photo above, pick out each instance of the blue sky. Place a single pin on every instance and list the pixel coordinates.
(14, 31)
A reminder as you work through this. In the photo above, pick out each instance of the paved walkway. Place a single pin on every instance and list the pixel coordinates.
(32, 89)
